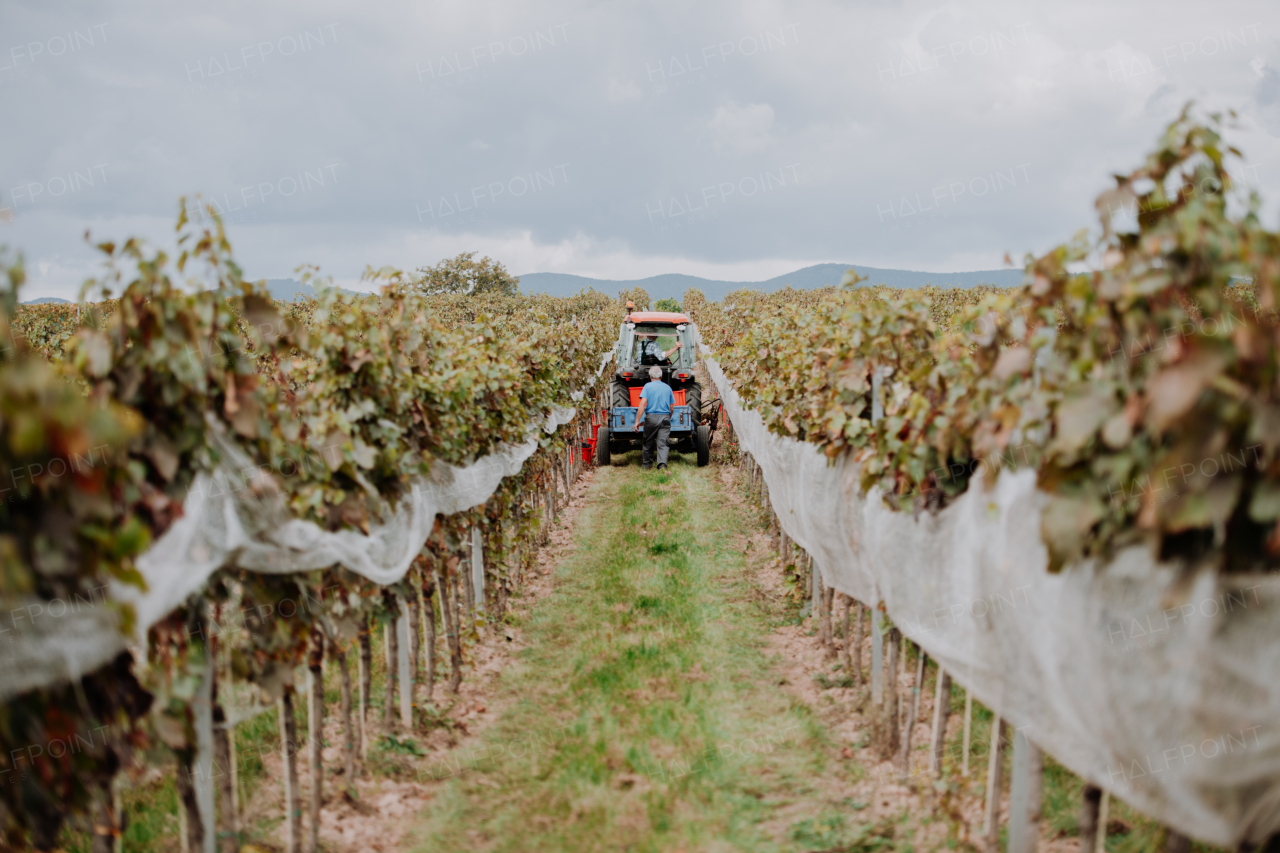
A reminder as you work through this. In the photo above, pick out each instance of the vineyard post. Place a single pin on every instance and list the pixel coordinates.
(1102, 822)
(828, 614)
(117, 811)
(366, 683)
(477, 569)
(1091, 801)
(348, 739)
(1025, 795)
(389, 638)
(202, 712)
(815, 601)
(455, 578)
(855, 650)
(995, 770)
(315, 734)
(222, 757)
(429, 611)
(226, 781)
(289, 750)
(468, 583)
(184, 839)
(551, 507)
(402, 666)
(941, 712)
(844, 633)
(922, 661)
(968, 722)
(893, 690)
(234, 757)
(415, 637)
(819, 597)
(904, 758)
(877, 657)
(448, 609)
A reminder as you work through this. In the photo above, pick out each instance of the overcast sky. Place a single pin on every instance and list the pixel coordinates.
(616, 140)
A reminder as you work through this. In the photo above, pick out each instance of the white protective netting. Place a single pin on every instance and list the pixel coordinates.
(1162, 689)
(225, 522)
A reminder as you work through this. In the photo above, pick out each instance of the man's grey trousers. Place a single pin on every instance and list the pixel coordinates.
(657, 431)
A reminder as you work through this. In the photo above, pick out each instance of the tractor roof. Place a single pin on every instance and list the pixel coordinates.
(658, 317)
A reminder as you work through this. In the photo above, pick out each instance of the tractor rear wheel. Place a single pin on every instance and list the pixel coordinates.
(702, 442)
(693, 396)
(619, 394)
(602, 447)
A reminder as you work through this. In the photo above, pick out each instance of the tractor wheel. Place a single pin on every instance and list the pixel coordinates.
(620, 395)
(702, 441)
(602, 447)
(693, 396)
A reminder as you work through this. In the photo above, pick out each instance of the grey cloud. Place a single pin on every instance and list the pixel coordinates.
(592, 139)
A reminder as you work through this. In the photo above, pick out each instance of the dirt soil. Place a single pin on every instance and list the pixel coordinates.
(379, 817)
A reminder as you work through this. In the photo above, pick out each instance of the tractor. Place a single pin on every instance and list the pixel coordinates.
(690, 429)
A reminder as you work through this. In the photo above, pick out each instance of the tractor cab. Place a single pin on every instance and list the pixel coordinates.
(648, 339)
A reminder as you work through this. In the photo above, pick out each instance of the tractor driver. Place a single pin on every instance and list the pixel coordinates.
(649, 347)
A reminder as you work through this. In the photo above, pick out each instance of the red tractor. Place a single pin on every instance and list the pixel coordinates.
(645, 340)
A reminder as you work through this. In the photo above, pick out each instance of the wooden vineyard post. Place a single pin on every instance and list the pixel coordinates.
(415, 639)
(442, 585)
(1090, 803)
(828, 629)
(968, 720)
(815, 603)
(477, 569)
(315, 736)
(468, 584)
(222, 759)
(995, 770)
(1026, 794)
(390, 649)
(348, 736)
(904, 757)
(402, 666)
(1103, 817)
(235, 778)
(429, 612)
(289, 754)
(449, 611)
(366, 684)
(191, 826)
(892, 691)
(844, 633)
(877, 658)
(941, 712)
(922, 661)
(855, 651)
(455, 675)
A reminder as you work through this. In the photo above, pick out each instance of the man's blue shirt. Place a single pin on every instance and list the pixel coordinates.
(658, 398)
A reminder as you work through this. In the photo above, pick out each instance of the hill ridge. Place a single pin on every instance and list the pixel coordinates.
(673, 285)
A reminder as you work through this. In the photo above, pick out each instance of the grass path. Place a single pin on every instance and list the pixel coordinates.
(645, 714)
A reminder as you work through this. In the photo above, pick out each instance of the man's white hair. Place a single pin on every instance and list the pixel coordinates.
(655, 373)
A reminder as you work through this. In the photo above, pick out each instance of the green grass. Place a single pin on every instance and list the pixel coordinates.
(645, 715)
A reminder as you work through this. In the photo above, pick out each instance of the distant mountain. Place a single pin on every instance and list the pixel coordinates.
(673, 285)
(44, 300)
(288, 289)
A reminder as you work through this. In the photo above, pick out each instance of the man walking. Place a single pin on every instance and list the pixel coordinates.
(656, 401)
